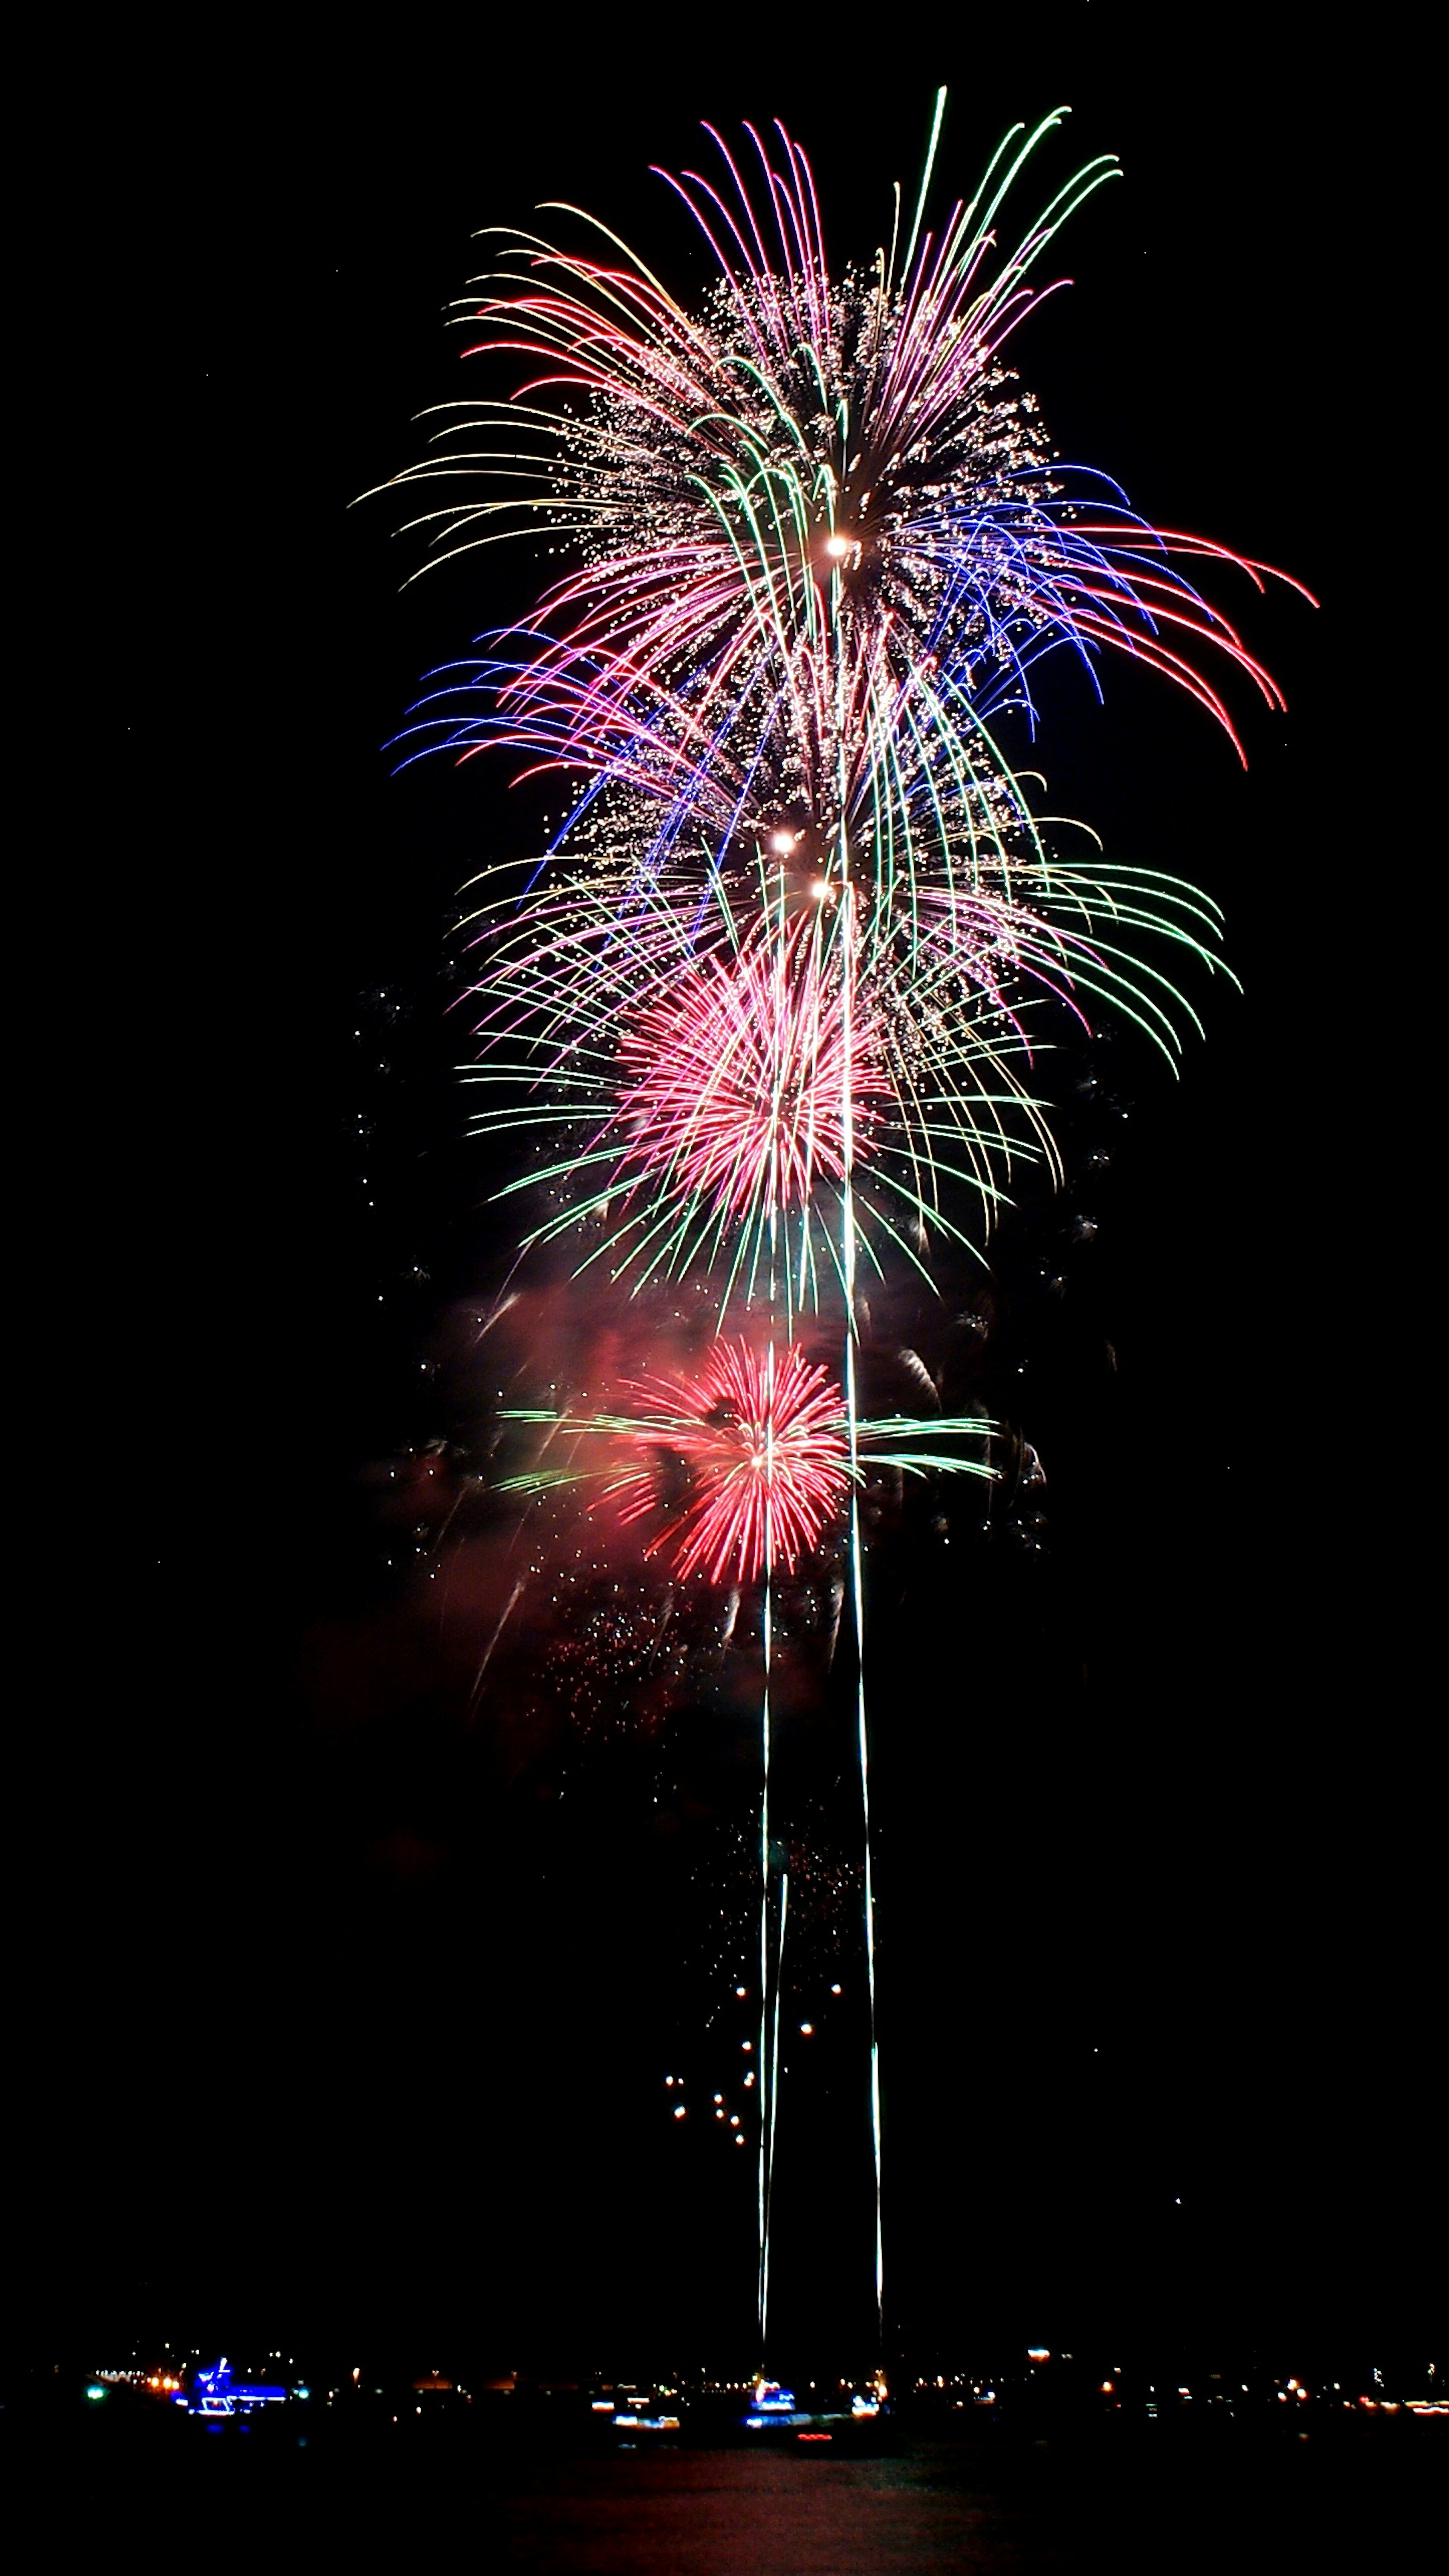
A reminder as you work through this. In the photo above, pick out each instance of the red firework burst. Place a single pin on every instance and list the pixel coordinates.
(749, 1458)
(741, 1069)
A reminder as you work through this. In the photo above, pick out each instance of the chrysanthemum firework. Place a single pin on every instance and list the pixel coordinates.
(761, 1443)
(740, 1075)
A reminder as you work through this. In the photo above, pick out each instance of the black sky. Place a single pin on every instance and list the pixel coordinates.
(329, 2029)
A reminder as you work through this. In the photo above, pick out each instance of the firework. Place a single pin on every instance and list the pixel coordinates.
(763, 1447)
(776, 993)
(738, 1076)
(740, 1468)
(822, 542)
(687, 1059)
(823, 537)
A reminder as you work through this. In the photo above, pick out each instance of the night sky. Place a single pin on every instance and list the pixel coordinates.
(349, 1993)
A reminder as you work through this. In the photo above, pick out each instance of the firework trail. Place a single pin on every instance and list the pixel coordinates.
(774, 998)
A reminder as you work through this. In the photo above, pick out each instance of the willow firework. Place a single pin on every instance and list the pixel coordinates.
(823, 537)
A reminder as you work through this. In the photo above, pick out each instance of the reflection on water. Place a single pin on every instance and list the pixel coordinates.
(724, 2513)
(1305, 2508)
(1354, 2500)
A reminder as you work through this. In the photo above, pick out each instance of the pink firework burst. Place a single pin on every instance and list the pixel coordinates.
(742, 1068)
(748, 1458)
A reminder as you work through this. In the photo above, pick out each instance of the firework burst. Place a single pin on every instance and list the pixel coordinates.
(760, 1439)
(822, 533)
(740, 1077)
(710, 1068)
(742, 1466)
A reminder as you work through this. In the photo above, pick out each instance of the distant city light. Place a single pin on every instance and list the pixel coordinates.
(1037, 2352)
